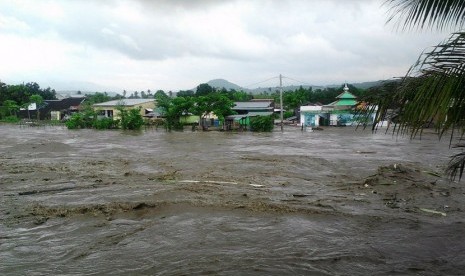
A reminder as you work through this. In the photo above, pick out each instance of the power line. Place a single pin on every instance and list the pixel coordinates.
(253, 84)
(298, 81)
(277, 77)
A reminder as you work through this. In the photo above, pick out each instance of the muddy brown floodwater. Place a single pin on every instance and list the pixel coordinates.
(330, 202)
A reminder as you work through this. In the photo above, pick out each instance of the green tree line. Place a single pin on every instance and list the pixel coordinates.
(14, 97)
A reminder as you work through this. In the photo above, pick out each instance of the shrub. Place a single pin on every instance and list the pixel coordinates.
(105, 123)
(131, 119)
(75, 121)
(262, 123)
(11, 119)
(79, 120)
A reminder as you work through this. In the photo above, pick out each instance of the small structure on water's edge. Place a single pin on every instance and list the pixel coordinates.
(341, 112)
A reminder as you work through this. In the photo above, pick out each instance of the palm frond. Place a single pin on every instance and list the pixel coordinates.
(456, 166)
(438, 92)
(427, 13)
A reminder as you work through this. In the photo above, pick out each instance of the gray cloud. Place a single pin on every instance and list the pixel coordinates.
(320, 41)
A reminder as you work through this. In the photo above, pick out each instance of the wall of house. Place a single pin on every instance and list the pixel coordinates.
(116, 113)
(310, 115)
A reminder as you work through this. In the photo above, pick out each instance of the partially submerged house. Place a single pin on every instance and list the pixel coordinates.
(246, 110)
(53, 109)
(110, 109)
(58, 109)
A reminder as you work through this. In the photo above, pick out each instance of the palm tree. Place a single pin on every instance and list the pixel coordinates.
(433, 90)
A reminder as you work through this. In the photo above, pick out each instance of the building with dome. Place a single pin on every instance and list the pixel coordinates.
(341, 112)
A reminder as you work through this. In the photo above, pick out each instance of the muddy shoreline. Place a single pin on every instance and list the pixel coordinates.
(169, 202)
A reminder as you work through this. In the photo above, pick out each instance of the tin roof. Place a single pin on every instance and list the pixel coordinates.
(125, 102)
(252, 105)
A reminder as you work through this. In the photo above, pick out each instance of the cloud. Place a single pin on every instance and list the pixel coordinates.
(175, 44)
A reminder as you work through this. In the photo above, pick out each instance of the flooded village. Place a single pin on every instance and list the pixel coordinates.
(155, 202)
(119, 157)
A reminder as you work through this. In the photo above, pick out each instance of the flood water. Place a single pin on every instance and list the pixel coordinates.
(330, 202)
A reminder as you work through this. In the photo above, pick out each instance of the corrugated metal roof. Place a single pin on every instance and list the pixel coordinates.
(252, 114)
(125, 102)
(251, 105)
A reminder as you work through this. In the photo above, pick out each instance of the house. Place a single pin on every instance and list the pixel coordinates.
(110, 109)
(341, 112)
(246, 110)
(254, 107)
(58, 109)
(53, 109)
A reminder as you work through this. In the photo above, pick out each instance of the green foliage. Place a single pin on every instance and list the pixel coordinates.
(9, 109)
(173, 109)
(11, 119)
(38, 100)
(98, 98)
(83, 119)
(130, 119)
(185, 93)
(262, 123)
(292, 100)
(288, 114)
(160, 94)
(21, 93)
(204, 89)
(238, 96)
(105, 123)
(77, 121)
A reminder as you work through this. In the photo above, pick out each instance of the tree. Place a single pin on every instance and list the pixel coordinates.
(434, 87)
(38, 100)
(130, 119)
(204, 89)
(238, 96)
(97, 97)
(185, 93)
(214, 102)
(11, 106)
(160, 93)
(173, 109)
(262, 123)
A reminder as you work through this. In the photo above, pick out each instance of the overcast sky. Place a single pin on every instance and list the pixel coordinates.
(178, 44)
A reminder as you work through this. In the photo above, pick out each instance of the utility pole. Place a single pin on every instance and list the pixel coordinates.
(281, 99)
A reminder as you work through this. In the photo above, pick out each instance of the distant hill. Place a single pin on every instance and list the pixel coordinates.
(222, 83)
(366, 85)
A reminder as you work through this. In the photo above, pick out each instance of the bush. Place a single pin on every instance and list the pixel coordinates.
(78, 120)
(262, 123)
(11, 119)
(105, 123)
(131, 119)
(75, 121)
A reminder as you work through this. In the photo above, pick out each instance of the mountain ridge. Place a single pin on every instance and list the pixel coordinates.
(222, 83)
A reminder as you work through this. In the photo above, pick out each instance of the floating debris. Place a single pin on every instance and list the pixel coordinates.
(207, 181)
(433, 212)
